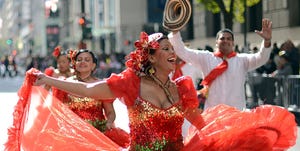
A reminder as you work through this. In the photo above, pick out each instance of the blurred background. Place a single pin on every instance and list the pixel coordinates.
(32, 28)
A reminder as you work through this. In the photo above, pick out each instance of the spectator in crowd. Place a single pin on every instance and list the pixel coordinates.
(114, 65)
(269, 67)
(285, 67)
(275, 52)
(293, 51)
(266, 88)
(236, 49)
(8, 66)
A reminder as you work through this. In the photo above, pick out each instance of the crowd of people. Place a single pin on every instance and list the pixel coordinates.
(267, 82)
(8, 66)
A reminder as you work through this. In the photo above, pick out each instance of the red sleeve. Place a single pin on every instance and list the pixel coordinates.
(187, 92)
(125, 86)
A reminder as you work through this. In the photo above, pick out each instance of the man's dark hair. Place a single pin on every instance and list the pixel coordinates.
(226, 30)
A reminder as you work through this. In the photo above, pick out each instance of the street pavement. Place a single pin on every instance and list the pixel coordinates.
(8, 99)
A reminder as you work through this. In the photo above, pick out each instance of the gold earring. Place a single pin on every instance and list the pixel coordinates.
(151, 70)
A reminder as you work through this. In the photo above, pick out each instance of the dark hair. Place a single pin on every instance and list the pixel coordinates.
(89, 51)
(78, 53)
(226, 30)
(63, 53)
(59, 52)
(152, 51)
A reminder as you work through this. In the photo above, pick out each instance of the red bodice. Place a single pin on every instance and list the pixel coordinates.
(152, 127)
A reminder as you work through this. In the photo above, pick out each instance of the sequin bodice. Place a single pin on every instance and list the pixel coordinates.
(153, 128)
(88, 109)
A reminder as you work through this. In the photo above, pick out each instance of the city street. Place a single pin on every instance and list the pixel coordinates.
(8, 95)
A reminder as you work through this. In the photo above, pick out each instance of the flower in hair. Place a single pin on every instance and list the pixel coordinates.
(145, 43)
(139, 57)
(56, 51)
(72, 55)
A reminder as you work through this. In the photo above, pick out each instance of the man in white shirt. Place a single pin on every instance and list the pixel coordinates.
(227, 87)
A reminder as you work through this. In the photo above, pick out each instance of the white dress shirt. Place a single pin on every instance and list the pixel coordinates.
(228, 88)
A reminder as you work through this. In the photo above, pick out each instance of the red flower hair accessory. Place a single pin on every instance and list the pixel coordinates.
(49, 71)
(56, 51)
(139, 57)
(72, 55)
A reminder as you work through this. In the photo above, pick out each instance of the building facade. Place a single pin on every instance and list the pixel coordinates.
(39, 26)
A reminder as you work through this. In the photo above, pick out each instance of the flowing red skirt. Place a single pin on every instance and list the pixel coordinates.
(41, 122)
(266, 128)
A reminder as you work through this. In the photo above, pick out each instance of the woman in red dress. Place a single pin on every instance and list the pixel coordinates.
(157, 107)
(63, 70)
(100, 114)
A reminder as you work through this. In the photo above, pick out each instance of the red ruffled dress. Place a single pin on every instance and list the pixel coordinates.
(151, 127)
(89, 109)
(61, 95)
(44, 123)
(92, 111)
(41, 122)
(266, 128)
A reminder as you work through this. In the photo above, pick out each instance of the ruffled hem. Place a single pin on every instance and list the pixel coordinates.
(227, 129)
(41, 122)
(14, 132)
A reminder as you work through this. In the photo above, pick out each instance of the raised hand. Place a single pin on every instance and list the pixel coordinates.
(266, 31)
(39, 78)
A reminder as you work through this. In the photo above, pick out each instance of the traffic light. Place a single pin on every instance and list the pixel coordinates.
(81, 21)
(9, 41)
(86, 28)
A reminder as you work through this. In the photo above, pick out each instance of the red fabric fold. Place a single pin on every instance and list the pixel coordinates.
(119, 136)
(265, 128)
(42, 122)
(15, 131)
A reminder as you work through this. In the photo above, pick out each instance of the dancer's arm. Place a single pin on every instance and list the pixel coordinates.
(194, 117)
(110, 114)
(99, 89)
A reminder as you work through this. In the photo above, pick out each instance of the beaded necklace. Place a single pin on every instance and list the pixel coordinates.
(165, 87)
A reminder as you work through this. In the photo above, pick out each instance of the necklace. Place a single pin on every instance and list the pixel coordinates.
(164, 87)
(83, 79)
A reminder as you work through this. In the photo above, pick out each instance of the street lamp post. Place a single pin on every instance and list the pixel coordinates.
(245, 27)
